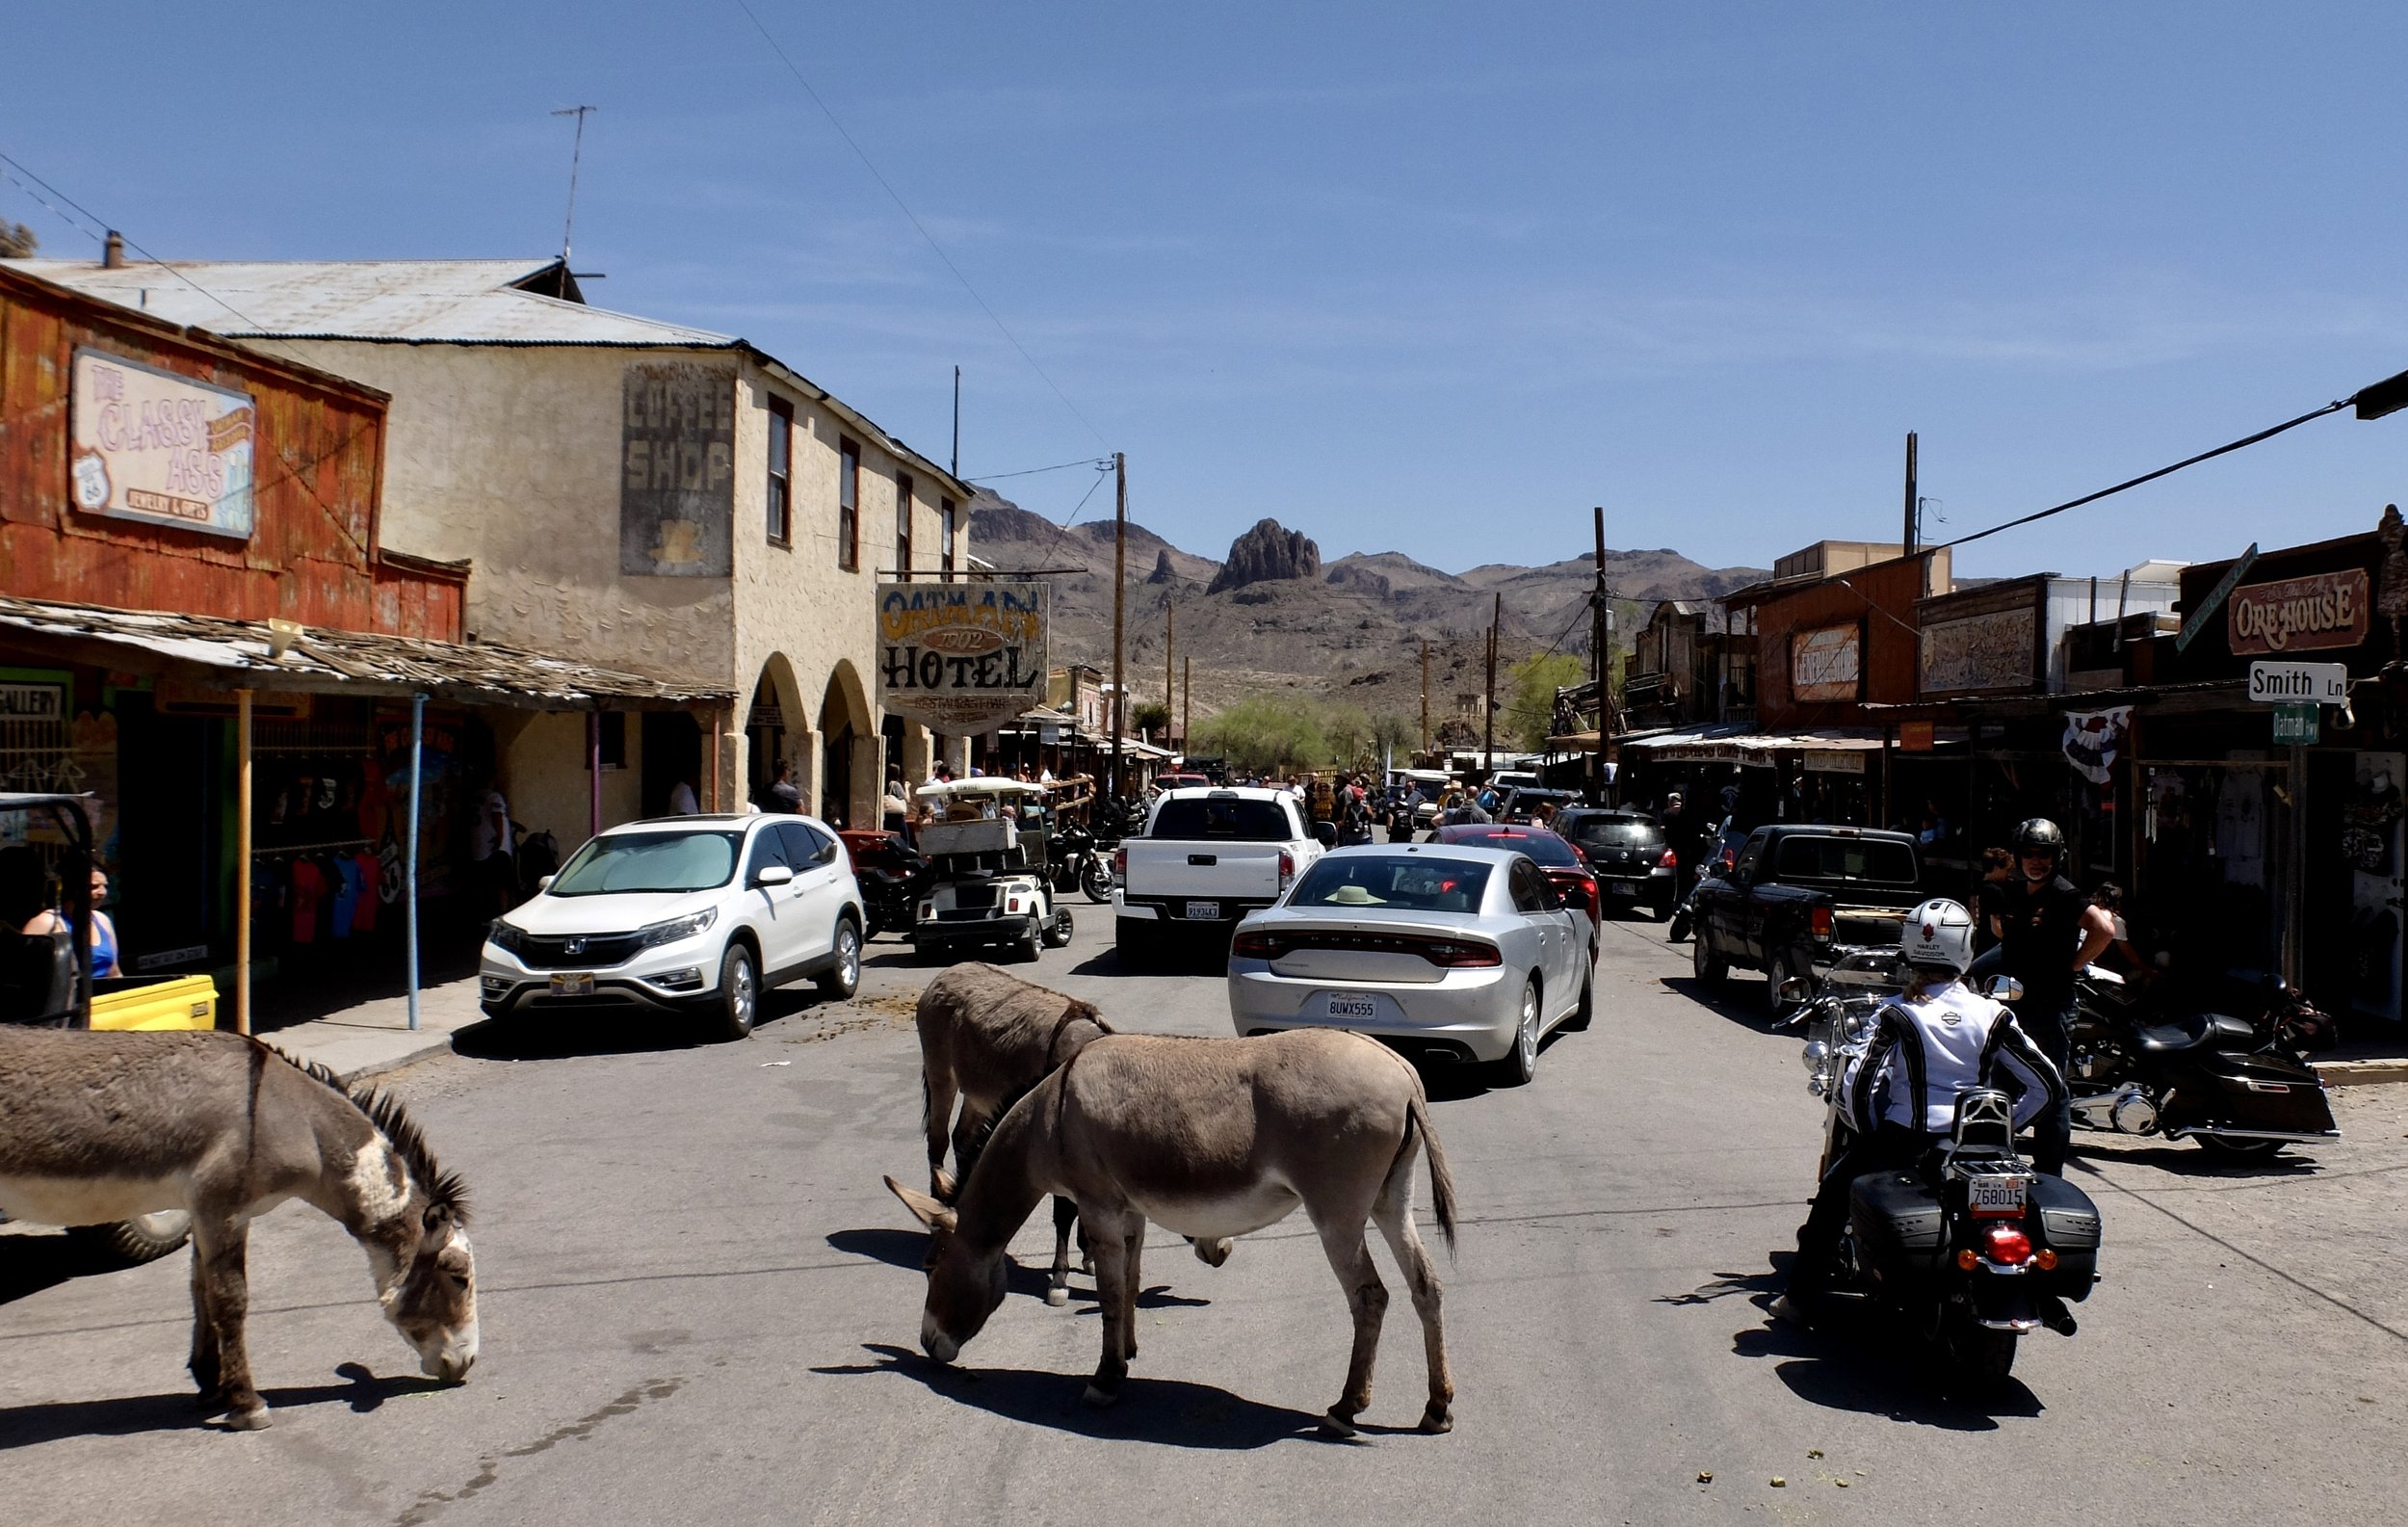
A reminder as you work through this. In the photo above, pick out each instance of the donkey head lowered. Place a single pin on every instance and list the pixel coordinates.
(412, 1219)
(966, 1284)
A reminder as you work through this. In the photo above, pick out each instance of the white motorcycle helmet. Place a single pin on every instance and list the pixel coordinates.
(1940, 932)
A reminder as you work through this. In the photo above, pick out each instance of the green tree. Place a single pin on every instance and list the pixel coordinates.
(1151, 717)
(18, 240)
(1530, 707)
(1265, 732)
(1393, 734)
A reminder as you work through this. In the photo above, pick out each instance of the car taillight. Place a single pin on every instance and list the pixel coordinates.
(1821, 922)
(2006, 1243)
(1120, 862)
(1670, 861)
(1287, 869)
(1259, 946)
(1459, 953)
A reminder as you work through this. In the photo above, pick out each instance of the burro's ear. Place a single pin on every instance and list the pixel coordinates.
(927, 1210)
(947, 1188)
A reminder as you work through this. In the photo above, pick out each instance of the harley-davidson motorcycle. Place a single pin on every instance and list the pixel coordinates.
(1076, 859)
(2239, 1087)
(1970, 1249)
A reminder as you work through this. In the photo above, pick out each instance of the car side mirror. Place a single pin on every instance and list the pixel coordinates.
(1795, 990)
(2005, 989)
(772, 875)
(1326, 833)
(545, 883)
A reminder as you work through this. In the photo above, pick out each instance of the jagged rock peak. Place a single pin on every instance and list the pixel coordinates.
(1161, 573)
(1266, 554)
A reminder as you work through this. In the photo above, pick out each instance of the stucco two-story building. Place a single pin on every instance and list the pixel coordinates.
(645, 495)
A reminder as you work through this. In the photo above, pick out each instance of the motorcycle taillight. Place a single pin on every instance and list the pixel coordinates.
(2006, 1243)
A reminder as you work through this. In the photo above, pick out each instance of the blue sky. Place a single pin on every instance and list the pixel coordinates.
(1430, 278)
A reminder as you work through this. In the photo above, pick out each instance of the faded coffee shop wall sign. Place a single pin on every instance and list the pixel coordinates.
(961, 658)
(677, 472)
(159, 447)
(2299, 614)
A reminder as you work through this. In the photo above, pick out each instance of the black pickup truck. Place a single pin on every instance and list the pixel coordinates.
(1798, 889)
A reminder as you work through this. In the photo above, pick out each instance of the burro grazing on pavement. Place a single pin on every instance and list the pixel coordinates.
(1212, 1138)
(96, 1127)
(986, 1036)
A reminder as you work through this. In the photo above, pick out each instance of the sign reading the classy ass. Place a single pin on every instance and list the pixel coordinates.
(961, 658)
(2299, 614)
(159, 447)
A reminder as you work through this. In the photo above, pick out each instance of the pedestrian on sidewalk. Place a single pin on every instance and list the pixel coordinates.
(492, 846)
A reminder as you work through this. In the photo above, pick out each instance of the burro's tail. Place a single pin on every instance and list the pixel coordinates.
(1441, 1180)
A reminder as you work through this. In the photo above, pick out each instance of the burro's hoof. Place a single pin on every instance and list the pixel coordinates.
(1437, 1420)
(257, 1420)
(1058, 1296)
(1336, 1423)
(1101, 1398)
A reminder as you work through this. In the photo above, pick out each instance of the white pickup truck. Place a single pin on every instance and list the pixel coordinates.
(1207, 858)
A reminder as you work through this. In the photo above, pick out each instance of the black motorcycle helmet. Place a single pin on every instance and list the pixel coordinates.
(2039, 835)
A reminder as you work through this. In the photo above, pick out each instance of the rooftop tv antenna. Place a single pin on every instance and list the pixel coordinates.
(575, 154)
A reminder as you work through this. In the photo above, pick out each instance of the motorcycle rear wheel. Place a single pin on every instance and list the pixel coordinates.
(1974, 1359)
(1095, 878)
(2239, 1149)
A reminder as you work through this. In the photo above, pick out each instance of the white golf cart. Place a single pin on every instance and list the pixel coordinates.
(986, 846)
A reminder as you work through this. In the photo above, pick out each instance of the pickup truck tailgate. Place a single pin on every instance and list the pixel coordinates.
(1160, 867)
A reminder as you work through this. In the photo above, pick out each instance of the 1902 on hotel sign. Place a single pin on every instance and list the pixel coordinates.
(2299, 614)
(160, 447)
(961, 658)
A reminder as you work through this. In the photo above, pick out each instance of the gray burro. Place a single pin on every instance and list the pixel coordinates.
(1210, 1139)
(98, 1127)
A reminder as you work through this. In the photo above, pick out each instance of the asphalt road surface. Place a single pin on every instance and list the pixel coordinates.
(700, 1306)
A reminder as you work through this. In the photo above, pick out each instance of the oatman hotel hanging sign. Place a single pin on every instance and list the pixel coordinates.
(961, 658)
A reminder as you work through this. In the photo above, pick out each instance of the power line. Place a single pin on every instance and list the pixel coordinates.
(914, 218)
(997, 477)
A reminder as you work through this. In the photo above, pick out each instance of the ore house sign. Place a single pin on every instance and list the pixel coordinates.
(2300, 615)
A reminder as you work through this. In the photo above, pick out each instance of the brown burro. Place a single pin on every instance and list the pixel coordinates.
(98, 1127)
(1211, 1138)
(986, 1036)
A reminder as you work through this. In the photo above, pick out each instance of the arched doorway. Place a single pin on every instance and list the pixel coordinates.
(848, 750)
(775, 730)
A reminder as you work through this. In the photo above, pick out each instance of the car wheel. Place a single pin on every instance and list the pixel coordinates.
(1588, 1007)
(1777, 970)
(1058, 929)
(1708, 967)
(740, 994)
(1521, 1063)
(1026, 946)
(143, 1238)
(841, 979)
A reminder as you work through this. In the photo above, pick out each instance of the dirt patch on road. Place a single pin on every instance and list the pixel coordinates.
(887, 1011)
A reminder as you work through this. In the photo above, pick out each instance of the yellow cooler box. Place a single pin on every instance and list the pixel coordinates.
(169, 1002)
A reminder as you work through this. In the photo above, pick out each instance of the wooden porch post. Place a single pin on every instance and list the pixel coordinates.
(242, 860)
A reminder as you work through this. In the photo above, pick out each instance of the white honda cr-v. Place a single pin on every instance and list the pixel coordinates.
(699, 914)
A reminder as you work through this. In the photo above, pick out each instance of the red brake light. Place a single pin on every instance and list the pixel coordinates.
(1670, 860)
(1120, 861)
(2007, 1243)
(1259, 946)
(1460, 954)
(1822, 922)
(1287, 869)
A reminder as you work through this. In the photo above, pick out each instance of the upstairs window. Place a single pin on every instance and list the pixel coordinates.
(902, 527)
(947, 509)
(849, 506)
(781, 496)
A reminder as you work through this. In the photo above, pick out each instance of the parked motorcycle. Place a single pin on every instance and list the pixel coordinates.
(1078, 860)
(1722, 855)
(2239, 1089)
(1970, 1250)
(892, 883)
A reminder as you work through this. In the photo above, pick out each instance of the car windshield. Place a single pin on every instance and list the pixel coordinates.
(1416, 883)
(623, 862)
(1544, 847)
(1204, 817)
(1815, 858)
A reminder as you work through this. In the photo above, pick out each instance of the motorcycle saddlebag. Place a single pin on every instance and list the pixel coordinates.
(1898, 1222)
(2067, 1224)
(2286, 1095)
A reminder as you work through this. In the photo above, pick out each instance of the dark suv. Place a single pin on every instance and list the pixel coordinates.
(1628, 850)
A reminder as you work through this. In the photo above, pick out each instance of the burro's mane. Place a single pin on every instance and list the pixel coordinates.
(444, 1190)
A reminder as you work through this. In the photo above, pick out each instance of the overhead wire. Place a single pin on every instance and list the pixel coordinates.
(888, 187)
(997, 477)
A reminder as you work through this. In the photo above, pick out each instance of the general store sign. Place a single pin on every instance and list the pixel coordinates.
(961, 658)
(1824, 665)
(159, 447)
(2299, 614)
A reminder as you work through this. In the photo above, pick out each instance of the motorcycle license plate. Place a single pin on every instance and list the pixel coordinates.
(572, 984)
(1361, 1009)
(1995, 1196)
(1204, 912)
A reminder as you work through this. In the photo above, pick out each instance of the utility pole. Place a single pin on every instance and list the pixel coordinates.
(1913, 531)
(956, 468)
(1168, 670)
(1187, 711)
(1488, 718)
(1425, 696)
(1599, 634)
(1120, 585)
(576, 153)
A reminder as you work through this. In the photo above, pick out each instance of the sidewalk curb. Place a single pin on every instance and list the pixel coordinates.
(434, 1044)
(2361, 1073)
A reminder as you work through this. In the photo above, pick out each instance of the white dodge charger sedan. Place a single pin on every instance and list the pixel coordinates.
(1446, 952)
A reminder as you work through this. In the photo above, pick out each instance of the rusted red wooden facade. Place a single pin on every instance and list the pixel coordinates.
(319, 454)
(1878, 603)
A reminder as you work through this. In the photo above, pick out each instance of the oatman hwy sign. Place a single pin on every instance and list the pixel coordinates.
(2299, 683)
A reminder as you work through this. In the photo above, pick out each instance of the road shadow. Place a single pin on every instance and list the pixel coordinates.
(2183, 1159)
(1171, 1412)
(1741, 1003)
(908, 1250)
(130, 1415)
(1857, 1362)
(573, 1033)
(30, 1263)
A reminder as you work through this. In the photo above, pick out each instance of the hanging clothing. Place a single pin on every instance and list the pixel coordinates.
(371, 873)
(346, 895)
(309, 887)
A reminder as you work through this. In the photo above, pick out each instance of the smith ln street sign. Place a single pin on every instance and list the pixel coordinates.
(2299, 683)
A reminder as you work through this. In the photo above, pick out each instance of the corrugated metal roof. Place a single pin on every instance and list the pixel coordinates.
(238, 653)
(426, 301)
